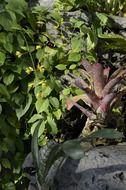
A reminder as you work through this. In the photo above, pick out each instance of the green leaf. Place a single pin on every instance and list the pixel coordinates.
(41, 127)
(73, 56)
(54, 101)
(76, 44)
(57, 114)
(22, 110)
(2, 58)
(34, 118)
(8, 78)
(6, 163)
(103, 18)
(42, 105)
(73, 149)
(3, 91)
(52, 124)
(17, 6)
(107, 134)
(61, 67)
(46, 91)
(73, 66)
(6, 20)
(66, 91)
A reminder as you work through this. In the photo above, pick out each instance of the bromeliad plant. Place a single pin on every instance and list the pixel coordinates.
(101, 93)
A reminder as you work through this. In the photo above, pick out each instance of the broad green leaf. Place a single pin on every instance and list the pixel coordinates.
(6, 163)
(73, 66)
(34, 118)
(3, 91)
(57, 114)
(42, 105)
(66, 91)
(61, 67)
(56, 16)
(17, 6)
(41, 127)
(6, 20)
(107, 134)
(54, 101)
(46, 91)
(8, 78)
(76, 44)
(9, 43)
(23, 109)
(40, 54)
(74, 56)
(73, 149)
(2, 58)
(76, 23)
(52, 124)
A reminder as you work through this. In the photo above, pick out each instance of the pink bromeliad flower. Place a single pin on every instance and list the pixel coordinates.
(100, 93)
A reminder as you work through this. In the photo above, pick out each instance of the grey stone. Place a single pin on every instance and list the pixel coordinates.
(102, 168)
(44, 3)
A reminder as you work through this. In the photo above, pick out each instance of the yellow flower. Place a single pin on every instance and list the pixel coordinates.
(38, 47)
(18, 54)
(29, 70)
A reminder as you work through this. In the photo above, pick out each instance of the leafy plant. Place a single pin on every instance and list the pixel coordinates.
(101, 92)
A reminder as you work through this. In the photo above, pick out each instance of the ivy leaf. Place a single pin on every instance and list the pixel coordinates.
(22, 110)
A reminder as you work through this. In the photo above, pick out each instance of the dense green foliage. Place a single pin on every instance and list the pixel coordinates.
(30, 89)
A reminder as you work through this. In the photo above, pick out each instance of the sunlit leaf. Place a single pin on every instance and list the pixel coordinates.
(34, 118)
(61, 67)
(42, 105)
(52, 124)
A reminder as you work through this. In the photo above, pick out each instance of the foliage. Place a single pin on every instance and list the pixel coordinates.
(32, 63)
(101, 92)
(55, 153)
